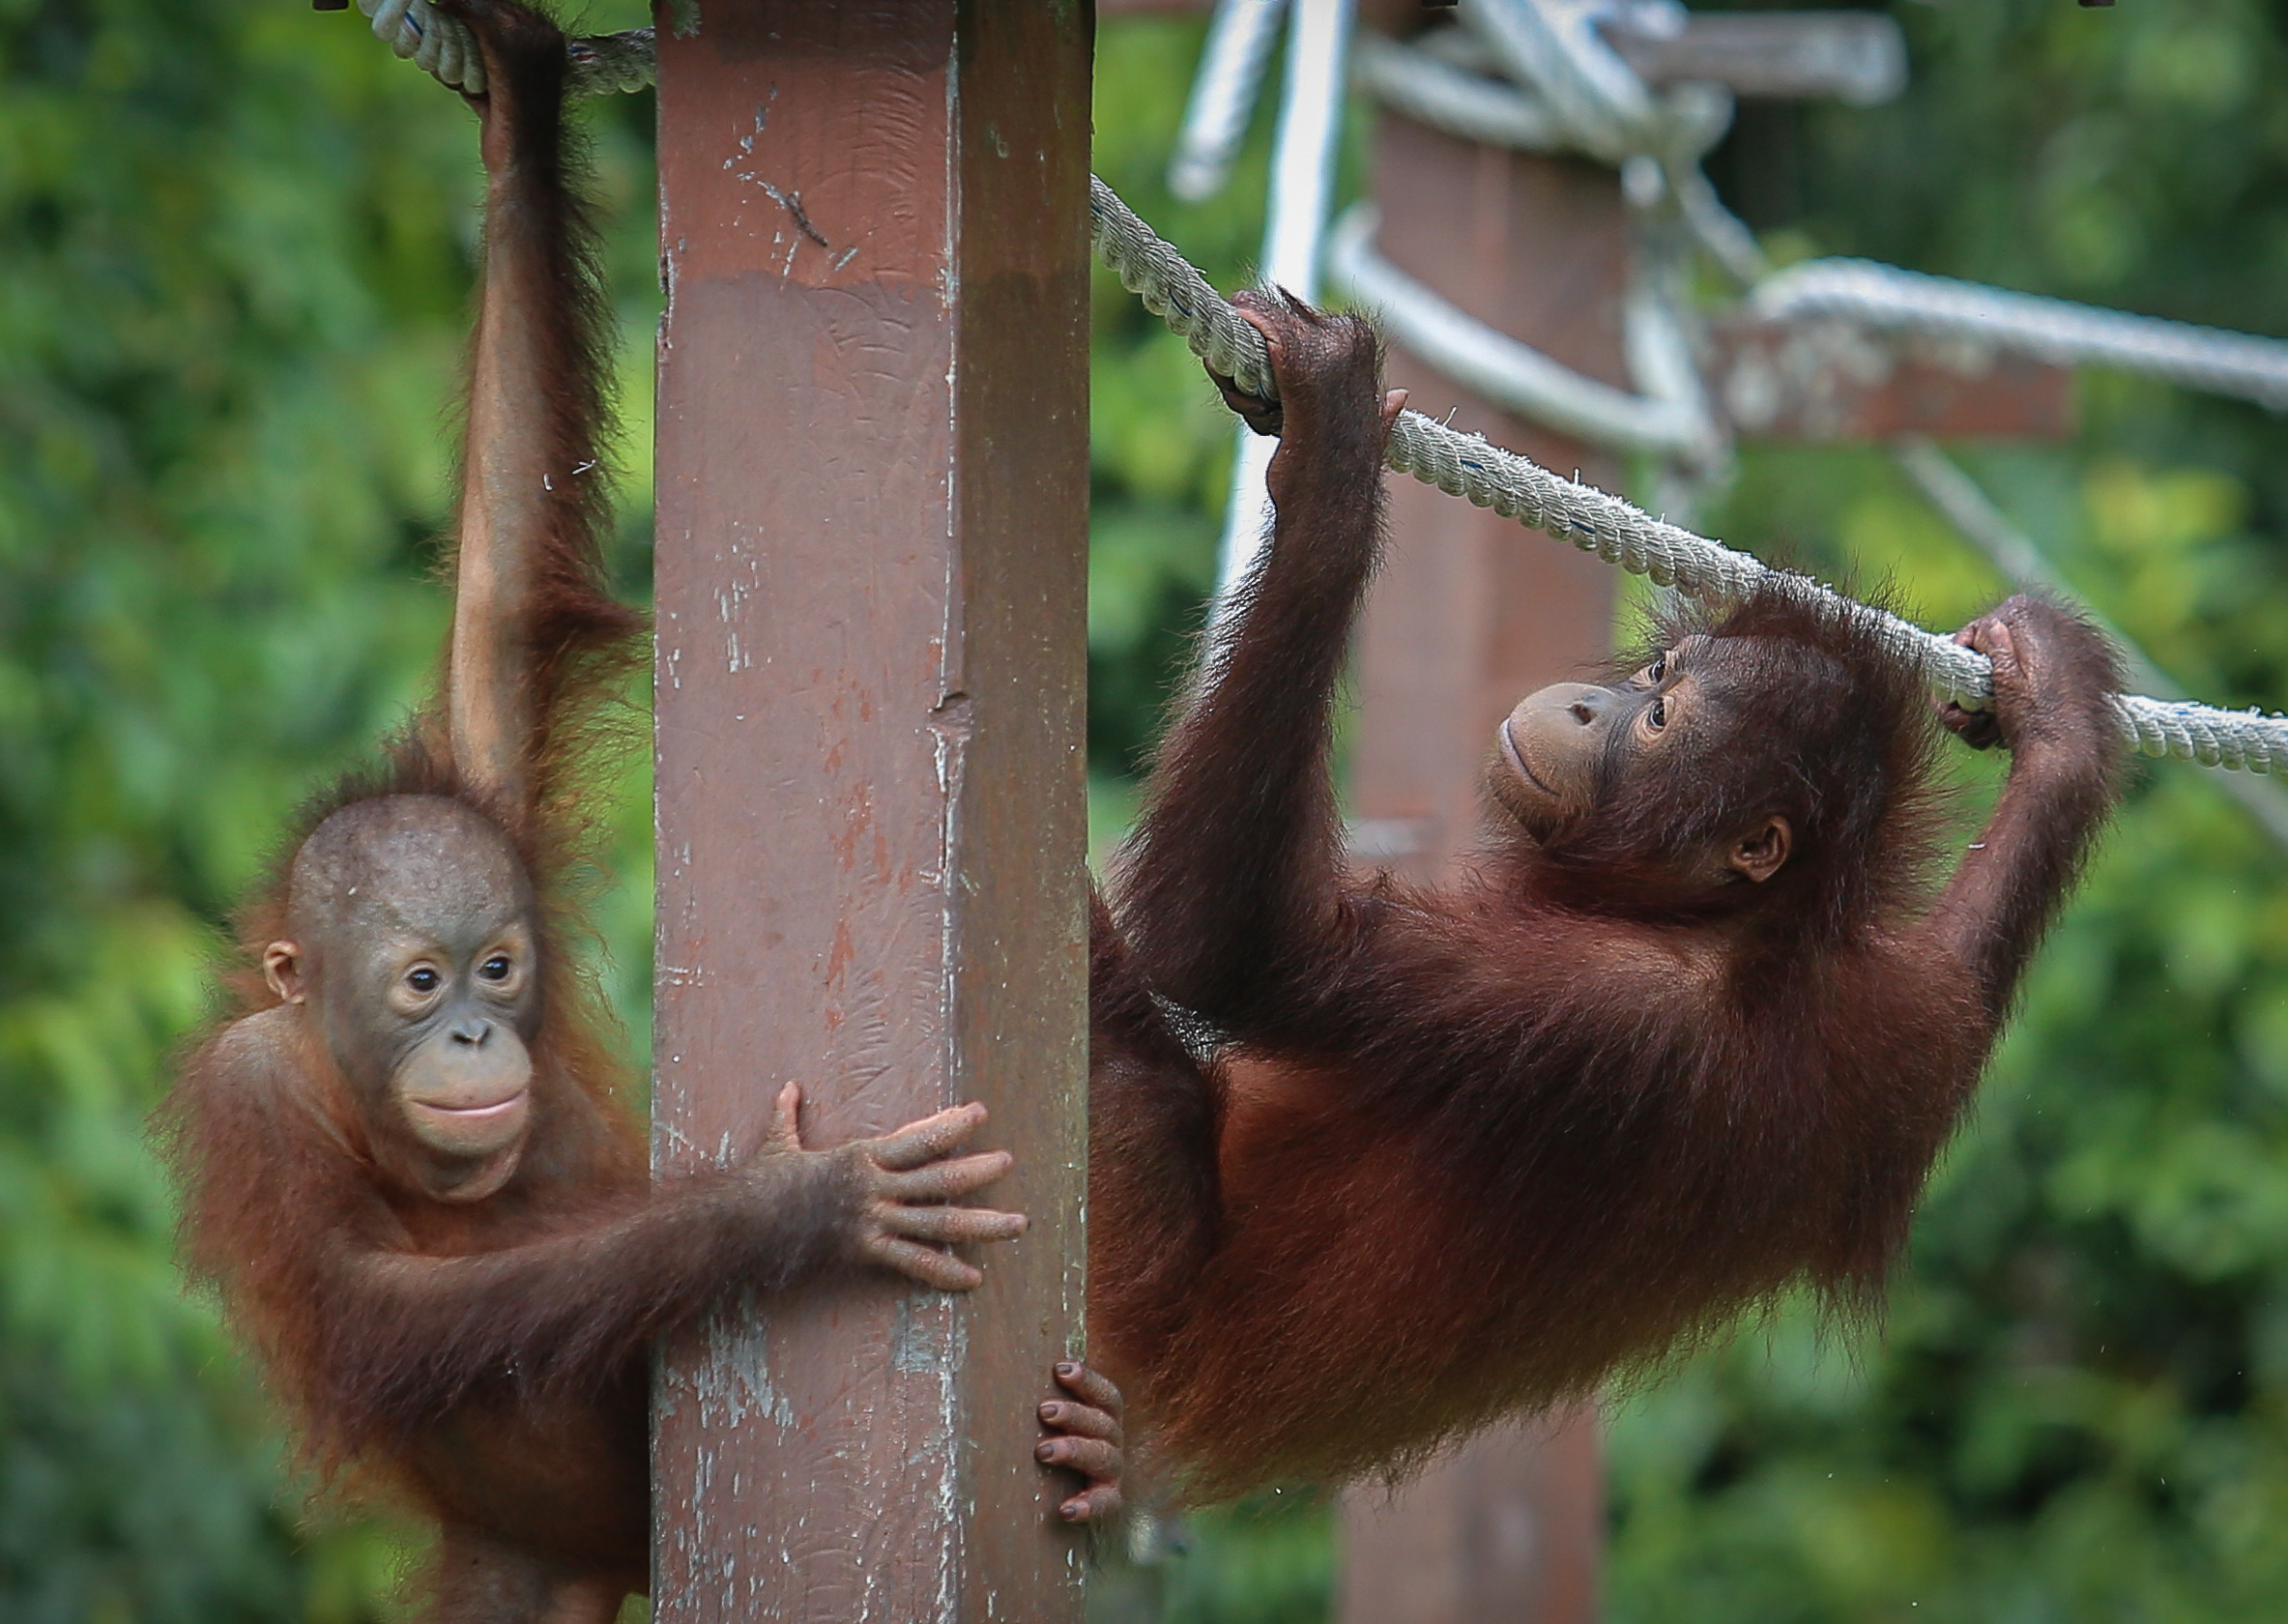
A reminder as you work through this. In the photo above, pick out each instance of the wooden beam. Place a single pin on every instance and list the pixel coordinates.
(1473, 613)
(871, 576)
(1830, 380)
(1859, 57)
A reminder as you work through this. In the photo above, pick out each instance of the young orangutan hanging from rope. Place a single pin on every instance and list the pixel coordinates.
(402, 1160)
(1373, 1164)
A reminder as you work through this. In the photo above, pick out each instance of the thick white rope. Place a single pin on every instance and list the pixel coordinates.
(1468, 466)
(1239, 43)
(1555, 46)
(2055, 330)
(442, 46)
(1447, 95)
(436, 44)
(1295, 240)
(1671, 417)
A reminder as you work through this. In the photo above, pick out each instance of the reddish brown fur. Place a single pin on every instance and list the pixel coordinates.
(1442, 1154)
(489, 1359)
(280, 1183)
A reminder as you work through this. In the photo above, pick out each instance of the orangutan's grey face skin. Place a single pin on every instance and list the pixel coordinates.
(1563, 745)
(412, 946)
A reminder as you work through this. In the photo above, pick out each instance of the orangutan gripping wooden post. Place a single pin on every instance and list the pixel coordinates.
(1690, 1029)
(402, 1162)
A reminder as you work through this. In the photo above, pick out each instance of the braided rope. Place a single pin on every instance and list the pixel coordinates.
(436, 44)
(1448, 97)
(1470, 467)
(1519, 378)
(1239, 42)
(1884, 296)
(442, 46)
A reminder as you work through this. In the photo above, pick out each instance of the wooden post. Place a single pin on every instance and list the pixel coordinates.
(871, 576)
(1470, 614)
(1507, 1530)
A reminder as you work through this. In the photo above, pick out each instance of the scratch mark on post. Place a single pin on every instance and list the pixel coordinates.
(792, 202)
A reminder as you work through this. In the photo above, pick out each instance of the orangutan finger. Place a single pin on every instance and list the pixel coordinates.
(1081, 1420)
(947, 1180)
(948, 1224)
(785, 1114)
(927, 1265)
(1092, 1458)
(929, 1139)
(1091, 1386)
(1100, 1504)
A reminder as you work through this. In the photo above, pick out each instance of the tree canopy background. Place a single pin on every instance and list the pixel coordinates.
(235, 253)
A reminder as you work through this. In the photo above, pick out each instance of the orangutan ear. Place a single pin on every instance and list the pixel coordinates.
(1759, 855)
(281, 967)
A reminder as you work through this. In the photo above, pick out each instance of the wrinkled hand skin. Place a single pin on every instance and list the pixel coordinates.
(2045, 691)
(903, 1189)
(1085, 1436)
(1321, 364)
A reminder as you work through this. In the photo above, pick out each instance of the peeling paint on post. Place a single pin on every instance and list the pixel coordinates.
(872, 552)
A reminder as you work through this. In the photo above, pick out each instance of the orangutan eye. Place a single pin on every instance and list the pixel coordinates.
(422, 979)
(495, 969)
(1656, 717)
(1658, 672)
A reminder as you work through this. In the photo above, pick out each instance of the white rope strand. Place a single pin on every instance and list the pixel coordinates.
(1239, 43)
(442, 46)
(1448, 97)
(1511, 373)
(1468, 466)
(2055, 330)
(1294, 232)
(1555, 46)
(432, 41)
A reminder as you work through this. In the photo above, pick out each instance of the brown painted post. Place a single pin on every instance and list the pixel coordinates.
(1470, 614)
(871, 572)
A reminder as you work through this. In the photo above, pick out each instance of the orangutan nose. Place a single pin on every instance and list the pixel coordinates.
(1583, 702)
(472, 1031)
